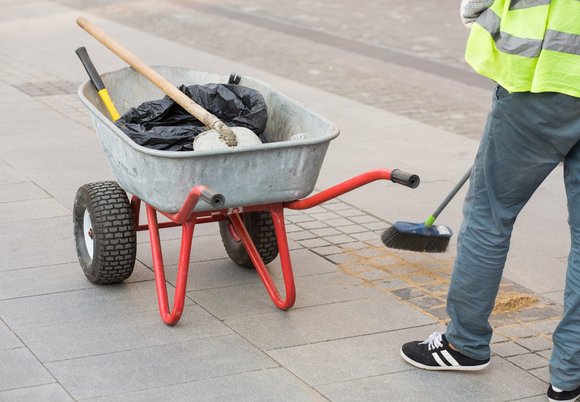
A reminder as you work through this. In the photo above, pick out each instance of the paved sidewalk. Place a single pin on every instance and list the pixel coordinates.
(62, 338)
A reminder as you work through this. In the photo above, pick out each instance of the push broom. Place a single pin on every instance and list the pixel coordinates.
(425, 236)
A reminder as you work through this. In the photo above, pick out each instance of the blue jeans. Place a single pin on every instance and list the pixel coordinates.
(527, 135)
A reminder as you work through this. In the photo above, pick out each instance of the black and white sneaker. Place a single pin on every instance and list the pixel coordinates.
(436, 354)
(558, 395)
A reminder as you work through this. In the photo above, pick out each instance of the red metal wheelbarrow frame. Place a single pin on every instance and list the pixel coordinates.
(187, 219)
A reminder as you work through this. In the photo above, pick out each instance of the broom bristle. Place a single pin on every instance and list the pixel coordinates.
(416, 237)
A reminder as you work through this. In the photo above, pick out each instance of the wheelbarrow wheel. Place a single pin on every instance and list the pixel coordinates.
(104, 231)
(261, 229)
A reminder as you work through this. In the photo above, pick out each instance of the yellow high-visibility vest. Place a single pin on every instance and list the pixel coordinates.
(528, 45)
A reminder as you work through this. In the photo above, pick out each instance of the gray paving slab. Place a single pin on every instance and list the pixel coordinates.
(24, 110)
(21, 192)
(543, 373)
(115, 333)
(325, 232)
(327, 322)
(205, 229)
(31, 210)
(312, 290)
(545, 327)
(64, 184)
(10, 131)
(517, 331)
(546, 354)
(44, 393)
(543, 280)
(536, 343)
(20, 368)
(7, 92)
(54, 279)
(352, 358)
(508, 349)
(314, 243)
(9, 175)
(341, 224)
(41, 166)
(301, 235)
(87, 304)
(557, 296)
(366, 236)
(36, 243)
(223, 273)
(203, 248)
(339, 239)
(264, 385)
(159, 366)
(31, 8)
(529, 361)
(293, 245)
(8, 339)
(22, 116)
(501, 382)
(329, 250)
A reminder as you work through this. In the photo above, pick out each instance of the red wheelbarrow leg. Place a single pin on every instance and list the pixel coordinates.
(170, 317)
(276, 210)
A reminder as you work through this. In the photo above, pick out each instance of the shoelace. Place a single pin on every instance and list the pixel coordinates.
(434, 341)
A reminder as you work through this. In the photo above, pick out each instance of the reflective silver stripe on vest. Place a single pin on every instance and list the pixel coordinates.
(519, 4)
(562, 42)
(505, 42)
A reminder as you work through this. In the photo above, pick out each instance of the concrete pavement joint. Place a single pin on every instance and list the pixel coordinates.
(43, 364)
(349, 337)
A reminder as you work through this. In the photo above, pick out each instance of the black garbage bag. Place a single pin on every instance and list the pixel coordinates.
(164, 125)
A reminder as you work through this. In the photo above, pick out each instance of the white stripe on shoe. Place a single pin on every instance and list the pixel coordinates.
(449, 358)
(438, 360)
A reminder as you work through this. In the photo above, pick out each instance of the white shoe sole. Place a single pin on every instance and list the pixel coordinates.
(563, 400)
(443, 368)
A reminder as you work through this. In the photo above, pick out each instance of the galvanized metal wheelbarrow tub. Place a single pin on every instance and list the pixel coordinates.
(244, 189)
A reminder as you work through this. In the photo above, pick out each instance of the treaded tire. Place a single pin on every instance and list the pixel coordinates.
(108, 254)
(261, 229)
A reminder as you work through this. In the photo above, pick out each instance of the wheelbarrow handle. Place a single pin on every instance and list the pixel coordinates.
(216, 200)
(404, 178)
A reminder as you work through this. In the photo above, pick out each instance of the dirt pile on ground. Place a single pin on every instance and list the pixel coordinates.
(513, 302)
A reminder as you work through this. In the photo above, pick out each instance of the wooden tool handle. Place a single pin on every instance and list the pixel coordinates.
(208, 119)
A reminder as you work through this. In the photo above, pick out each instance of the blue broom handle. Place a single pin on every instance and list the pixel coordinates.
(452, 193)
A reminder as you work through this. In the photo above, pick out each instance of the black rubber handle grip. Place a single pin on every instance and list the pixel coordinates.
(216, 200)
(90, 68)
(404, 178)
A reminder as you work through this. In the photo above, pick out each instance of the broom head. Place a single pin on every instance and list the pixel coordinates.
(417, 237)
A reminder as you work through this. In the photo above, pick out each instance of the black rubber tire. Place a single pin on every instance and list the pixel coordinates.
(113, 231)
(261, 229)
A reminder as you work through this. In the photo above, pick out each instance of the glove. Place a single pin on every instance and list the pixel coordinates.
(472, 9)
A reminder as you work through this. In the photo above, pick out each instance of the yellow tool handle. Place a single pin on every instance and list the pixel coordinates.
(104, 94)
(97, 82)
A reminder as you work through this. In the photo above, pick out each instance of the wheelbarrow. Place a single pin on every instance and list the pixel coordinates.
(244, 189)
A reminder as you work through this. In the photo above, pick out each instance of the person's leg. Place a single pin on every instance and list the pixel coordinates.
(527, 135)
(565, 362)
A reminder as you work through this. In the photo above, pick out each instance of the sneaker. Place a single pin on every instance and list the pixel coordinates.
(558, 395)
(436, 354)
